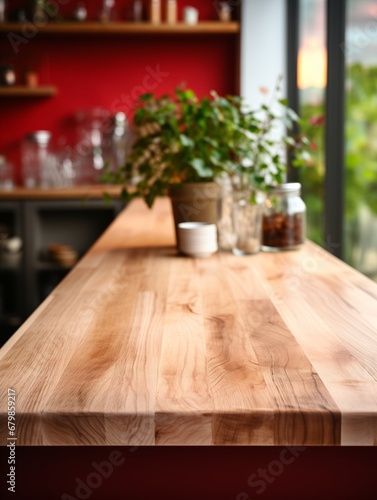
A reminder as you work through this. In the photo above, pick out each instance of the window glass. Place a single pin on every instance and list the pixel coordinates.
(360, 224)
(311, 82)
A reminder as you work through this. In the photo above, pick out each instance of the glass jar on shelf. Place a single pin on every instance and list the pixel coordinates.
(284, 218)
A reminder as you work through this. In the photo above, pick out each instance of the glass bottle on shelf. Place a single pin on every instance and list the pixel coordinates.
(3, 16)
(137, 15)
(107, 12)
(171, 11)
(224, 11)
(120, 141)
(284, 218)
(6, 174)
(38, 11)
(155, 11)
(35, 155)
(80, 13)
(92, 143)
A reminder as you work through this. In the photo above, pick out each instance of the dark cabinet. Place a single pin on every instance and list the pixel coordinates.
(28, 277)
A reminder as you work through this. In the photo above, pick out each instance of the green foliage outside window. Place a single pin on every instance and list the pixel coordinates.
(360, 157)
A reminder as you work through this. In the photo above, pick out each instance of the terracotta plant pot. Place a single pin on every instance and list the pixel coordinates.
(195, 202)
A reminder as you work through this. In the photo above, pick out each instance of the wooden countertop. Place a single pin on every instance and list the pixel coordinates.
(138, 346)
(94, 191)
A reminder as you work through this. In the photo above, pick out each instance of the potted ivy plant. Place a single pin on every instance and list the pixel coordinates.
(182, 145)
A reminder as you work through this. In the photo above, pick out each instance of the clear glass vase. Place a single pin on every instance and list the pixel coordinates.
(247, 222)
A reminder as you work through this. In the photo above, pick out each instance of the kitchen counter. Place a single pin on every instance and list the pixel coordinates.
(140, 346)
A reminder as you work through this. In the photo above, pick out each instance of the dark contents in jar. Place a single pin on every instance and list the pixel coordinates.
(283, 230)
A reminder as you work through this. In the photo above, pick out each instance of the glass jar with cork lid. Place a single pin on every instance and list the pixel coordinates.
(284, 218)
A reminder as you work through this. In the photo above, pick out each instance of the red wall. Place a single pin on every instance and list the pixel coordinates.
(110, 71)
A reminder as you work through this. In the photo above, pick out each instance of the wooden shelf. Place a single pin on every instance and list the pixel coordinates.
(94, 191)
(130, 28)
(23, 91)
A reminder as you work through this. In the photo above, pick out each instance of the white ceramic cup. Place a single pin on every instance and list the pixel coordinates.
(197, 239)
(190, 15)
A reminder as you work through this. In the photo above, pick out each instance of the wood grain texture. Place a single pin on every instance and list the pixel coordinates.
(140, 346)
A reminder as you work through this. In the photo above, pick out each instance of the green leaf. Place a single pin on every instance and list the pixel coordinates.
(146, 97)
(186, 95)
(305, 156)
(290, 141)
(215, 159)
(107, 198)
(200, 168)
(186, 141)
(292, 115)
(210, 141)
